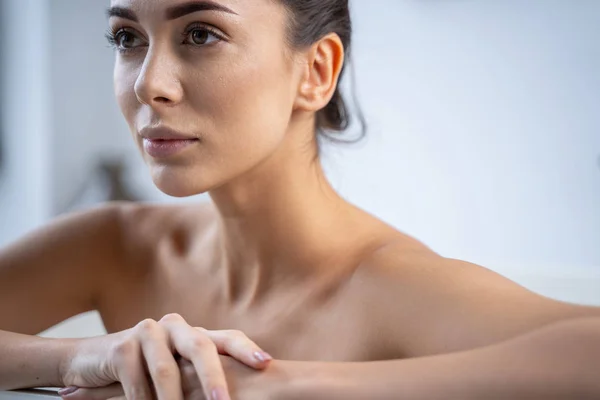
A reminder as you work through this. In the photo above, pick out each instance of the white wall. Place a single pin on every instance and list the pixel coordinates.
(26, 120)
(485, 127)
(87, 121)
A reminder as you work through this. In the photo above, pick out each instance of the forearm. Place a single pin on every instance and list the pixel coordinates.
(561, 361)
(30, 361)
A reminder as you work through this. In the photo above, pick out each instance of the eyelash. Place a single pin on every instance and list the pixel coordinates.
(112, 36)
(197, 26)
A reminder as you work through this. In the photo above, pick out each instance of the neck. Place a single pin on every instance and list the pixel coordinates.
(282, 220)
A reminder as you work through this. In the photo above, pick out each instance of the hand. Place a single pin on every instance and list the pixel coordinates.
(128, 357)
(244, 383)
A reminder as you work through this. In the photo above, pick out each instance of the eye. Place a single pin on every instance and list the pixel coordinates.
(124, 40)
(127, 40)
(201, 36)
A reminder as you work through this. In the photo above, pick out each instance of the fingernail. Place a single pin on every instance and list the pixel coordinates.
(262, 356)
(219, 394)
(67, 391)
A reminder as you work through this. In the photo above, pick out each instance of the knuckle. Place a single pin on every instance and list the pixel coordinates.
(172, 317)
(236, 334)
(125, 349)
(201, 343)
(163, 372)
(147, 326)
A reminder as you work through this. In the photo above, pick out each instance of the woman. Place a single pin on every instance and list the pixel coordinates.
(228, 97)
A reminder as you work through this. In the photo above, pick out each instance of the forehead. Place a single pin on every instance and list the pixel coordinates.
(157, 8)
(169, 3)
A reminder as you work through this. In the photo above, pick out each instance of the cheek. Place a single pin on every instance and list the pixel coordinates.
(247, 101)
(124, 83)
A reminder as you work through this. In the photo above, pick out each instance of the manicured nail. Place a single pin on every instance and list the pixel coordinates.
(262, 356)
(219, 394)
(67, 391)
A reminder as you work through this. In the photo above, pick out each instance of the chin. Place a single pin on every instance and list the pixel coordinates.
(177, 183)
(178, 190)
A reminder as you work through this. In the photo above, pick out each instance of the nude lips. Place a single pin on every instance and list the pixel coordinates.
(161, 148)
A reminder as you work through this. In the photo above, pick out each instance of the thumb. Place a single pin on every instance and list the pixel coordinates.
(114, 391)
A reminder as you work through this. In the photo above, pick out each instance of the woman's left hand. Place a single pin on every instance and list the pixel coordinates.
(87, 361)
(244, 383)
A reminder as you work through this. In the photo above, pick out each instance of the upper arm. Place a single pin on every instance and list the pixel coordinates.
(57, 271)
(452, 305)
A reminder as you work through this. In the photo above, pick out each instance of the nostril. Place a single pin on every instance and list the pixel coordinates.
(162, 100)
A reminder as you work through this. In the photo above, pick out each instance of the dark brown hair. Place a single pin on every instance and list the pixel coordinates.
(311, 20)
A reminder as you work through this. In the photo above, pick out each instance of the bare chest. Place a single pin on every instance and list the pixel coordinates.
(286, 325)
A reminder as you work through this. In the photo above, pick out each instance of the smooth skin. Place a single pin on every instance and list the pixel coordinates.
(276, 264)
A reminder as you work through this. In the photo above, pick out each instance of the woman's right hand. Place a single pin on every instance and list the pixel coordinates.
(143, 359)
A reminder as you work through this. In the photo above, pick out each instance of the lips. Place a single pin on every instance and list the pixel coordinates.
(159, 148)
(163, 142)
(164, 133)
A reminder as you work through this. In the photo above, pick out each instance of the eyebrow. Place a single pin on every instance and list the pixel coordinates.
(180, 10)
(173, 12)
(121, 12)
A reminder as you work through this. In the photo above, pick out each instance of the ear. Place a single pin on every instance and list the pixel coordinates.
(324, 62)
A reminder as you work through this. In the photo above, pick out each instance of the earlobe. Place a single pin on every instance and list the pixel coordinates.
(322, 70)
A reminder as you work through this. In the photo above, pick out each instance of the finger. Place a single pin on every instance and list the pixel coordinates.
(129, 363)
(198, 348)
(236, 344)
(161, 364)
(103, 393)
(190, 384)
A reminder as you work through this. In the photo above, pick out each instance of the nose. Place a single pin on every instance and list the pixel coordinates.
(157, 84)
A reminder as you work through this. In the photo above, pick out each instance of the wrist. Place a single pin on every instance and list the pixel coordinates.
(310, 380)
(31, 361)
(65, 350)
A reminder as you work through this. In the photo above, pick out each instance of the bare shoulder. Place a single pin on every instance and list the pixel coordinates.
(58, 270)
(156, 218)
(90, 233)
(153, 238)
(144, 226)
(77, 261)
(439, 305)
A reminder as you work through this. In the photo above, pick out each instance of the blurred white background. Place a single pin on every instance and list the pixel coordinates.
(483, 142)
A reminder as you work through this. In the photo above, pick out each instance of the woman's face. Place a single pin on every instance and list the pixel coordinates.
(207, 87)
